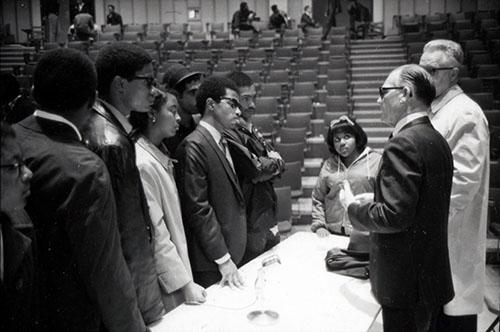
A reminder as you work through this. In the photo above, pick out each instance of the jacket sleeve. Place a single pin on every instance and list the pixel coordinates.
(171, 270)
(318, 202)
(399, 179)
(93, 233)
(199, 216)
(470, 149)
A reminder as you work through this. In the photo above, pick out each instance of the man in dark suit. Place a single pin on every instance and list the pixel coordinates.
(408, 219)
(333, 8)
(213, 206)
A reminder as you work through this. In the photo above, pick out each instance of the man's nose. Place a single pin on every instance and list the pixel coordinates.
(27, 174)
(237, 111)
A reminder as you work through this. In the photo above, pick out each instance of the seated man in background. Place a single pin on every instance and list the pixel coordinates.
(306, 20)
(113, 18)
(278, 19)
(255, 172)
(213, 206)
(242, 19)
(408, 219)
(83, 277)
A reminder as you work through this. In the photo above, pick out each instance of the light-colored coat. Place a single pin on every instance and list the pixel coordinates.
(171, 255)
(327, 211)
(462, 123)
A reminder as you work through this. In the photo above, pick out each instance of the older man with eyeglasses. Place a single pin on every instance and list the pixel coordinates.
(462, 123)
(407, 220)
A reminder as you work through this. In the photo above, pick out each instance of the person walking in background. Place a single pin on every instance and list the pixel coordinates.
(333, 8)
(157, 175)
(256, 166)
(463, 124)
(213, 206)
(351, 160)
(408, 219)
(84, 281)
(84, 27)
(126, 83)
(278, 19)
(17, 239)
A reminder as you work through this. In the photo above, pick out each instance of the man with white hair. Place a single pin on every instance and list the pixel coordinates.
(462, 123)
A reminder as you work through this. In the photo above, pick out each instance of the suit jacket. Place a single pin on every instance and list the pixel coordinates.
(213, 207)
(109, 140)
(83, 275)
(408, 219)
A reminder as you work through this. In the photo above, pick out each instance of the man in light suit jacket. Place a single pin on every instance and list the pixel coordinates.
(213, 205)
(409, 264)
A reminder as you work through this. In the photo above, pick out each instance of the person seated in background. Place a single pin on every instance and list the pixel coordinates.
(278, 19)
(306, 20)
(242, 19)
(351, 160)
(113, 18)
(157, 174)
(17, 244)
(84, 280)
(359, 18)
(256, 168)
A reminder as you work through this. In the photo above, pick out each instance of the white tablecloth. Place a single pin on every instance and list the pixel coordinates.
(305, 295)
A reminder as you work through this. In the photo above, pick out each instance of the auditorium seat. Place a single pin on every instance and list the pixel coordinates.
(291, 177)
(484, 99)
(293, 135)
(304, 89)
(298, 120)
(471, 85)
(300, 104)
(266, 124)
(284, 208)
(267, 105)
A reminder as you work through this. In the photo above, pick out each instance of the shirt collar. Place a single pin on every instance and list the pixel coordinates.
(444, 98)
(407, 119)
(57, 118)
(211, 129)
(120, 117)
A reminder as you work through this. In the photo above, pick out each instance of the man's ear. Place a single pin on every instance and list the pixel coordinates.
(118, 84)
(455, 73)
(407, 92)
(210, 104)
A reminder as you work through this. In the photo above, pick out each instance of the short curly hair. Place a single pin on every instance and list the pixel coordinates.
(346, 124)
(64, 80)
(213, 87)
(119, 59)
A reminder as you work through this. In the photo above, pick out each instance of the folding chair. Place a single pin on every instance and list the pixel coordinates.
(298, 120)
(300, 104)
(307, 89)
(265, 123)
(337, 104)
(293, 135)
(291, 177)
(266, 105)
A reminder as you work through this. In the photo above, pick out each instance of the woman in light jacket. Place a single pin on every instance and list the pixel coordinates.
(157, 175)
(351, 160)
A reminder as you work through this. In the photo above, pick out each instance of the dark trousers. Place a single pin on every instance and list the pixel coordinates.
(445, 323)
(418, 319)
(206, 278)
(332, 22)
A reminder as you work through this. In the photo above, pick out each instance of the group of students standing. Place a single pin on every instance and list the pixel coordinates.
(111, 236)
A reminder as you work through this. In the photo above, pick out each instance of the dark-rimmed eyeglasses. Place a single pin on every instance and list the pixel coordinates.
(433, 70)
(232, 102)
(382, 91)
(14, 167)
(150, 80)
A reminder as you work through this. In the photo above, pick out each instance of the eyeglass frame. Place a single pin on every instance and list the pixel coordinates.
(235, 104)
(433, 70)
(383, 90)
(342, 118)
(19, 165)
(150, 80)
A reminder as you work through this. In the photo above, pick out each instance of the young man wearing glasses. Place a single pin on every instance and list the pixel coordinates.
(408, 218)
(126, 83)
(463, 124)
(213, 206)
(83, 277)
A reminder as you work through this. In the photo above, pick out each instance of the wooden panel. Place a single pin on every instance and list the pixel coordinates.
(180, 8)
(407, 7)
(262, 8)
(153, 13)
(207, 12)
(126, 11)
(222, 12)
(167, 11)
(139, 8)
(437, 6)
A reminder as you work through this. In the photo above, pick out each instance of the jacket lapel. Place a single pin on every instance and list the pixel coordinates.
(421, 120)
(225, 163)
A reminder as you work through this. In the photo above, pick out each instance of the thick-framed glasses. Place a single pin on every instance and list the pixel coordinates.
(433, 70)
(14, 167)
(382, 91)
(150, 80)
(232, 102)
(342, 118)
